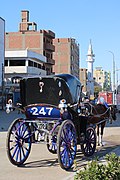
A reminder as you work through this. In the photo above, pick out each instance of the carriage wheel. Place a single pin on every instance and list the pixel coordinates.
(52, 139)
(52, 144)
(18, 142)
(66, 144)
(89, 147)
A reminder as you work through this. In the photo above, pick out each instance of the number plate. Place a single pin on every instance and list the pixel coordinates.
(42, 125)
(42, 111)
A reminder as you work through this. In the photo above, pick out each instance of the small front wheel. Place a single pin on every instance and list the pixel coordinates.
(89, 146)
(52, 144)
(66, 144)
(18, 142)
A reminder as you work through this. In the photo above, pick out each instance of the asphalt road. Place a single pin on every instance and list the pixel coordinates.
(41, 164)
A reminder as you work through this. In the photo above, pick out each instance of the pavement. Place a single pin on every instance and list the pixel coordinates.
(111, 141)
(6, 119)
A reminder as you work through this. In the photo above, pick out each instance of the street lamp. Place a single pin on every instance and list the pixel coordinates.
(113, 85)
(2, 86)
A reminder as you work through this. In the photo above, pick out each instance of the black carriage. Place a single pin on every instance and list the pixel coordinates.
(53, 114)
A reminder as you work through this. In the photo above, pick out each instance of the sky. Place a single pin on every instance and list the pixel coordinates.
(84, 20)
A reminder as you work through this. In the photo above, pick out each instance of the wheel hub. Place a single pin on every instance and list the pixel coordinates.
(68, 145)
(20, 142)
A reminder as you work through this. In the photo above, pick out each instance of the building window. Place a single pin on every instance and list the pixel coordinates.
(72, 47)
(72, 67)
(17, 63)
(44, 53)
(30, 63)
(48, 41)
(43, 67)
(6, 62)
(35, 64)
(47, 55)
(39, 66)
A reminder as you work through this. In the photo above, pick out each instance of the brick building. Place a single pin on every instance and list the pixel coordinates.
(66, 56)
(29, 38)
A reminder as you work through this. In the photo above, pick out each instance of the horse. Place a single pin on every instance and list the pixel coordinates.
(98, 114)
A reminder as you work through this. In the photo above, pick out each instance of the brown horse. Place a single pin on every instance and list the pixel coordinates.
(98, 114)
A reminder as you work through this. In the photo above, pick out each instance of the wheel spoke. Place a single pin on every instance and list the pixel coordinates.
(17, 156)
(13, 147)
(64, 135)
(24, 131)
(20, 154)
(23, 152)
(65, 157)
(63, 139)
(62, 151)
(72, 150)
(15, 150)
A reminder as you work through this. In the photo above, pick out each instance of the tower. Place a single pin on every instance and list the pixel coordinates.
(90, 60)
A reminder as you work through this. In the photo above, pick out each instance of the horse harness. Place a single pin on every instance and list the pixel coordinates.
(91, 115)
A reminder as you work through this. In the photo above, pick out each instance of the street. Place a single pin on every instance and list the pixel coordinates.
(41, 163)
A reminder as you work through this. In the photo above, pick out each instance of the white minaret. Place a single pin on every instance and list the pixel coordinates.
(90, 60)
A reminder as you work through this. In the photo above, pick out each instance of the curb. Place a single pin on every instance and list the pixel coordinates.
(101, 160)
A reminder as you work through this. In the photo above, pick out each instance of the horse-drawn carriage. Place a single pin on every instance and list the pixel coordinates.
(53, 114)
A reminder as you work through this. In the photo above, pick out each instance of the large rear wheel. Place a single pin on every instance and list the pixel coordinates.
(18, 142)
(66, 144)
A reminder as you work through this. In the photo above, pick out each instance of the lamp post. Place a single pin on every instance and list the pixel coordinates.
(2, 86)
(113, 85)
(117, 77)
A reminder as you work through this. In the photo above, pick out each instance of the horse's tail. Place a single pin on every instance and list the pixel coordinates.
(112, 114)
(110, 117)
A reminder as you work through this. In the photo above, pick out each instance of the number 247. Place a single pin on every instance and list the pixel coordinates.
(42, 111)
